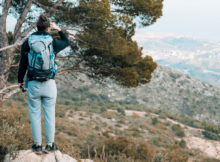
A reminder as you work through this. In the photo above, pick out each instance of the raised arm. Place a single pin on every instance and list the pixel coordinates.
(59, 45)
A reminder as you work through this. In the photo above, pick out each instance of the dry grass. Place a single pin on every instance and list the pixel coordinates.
(79, 128)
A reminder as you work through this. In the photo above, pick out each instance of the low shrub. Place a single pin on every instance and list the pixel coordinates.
(154, 121)
(121, 110)
(178, 130)
(211, 135)
(123, 147)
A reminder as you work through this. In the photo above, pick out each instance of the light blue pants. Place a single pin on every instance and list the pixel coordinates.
(42, 94)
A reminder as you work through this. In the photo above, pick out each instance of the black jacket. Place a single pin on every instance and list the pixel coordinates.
(58, 45)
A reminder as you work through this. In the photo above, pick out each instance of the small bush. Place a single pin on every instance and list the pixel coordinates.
(154, 121)
(211, 128)
(121, 110)
(182, 144)
(19, 97)
(210, 160)
(122, 146)
(211, 135)
(60, 114)
(97, 128)
(177, 154)
(103, 109)
(178, 130)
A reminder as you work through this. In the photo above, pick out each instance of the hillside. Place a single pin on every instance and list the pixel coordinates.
(98, 133)
(169, 90)
(147, 123)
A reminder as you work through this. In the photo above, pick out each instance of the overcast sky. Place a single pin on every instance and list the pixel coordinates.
(195, 18)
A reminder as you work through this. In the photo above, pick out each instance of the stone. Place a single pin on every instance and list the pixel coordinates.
(30, 156)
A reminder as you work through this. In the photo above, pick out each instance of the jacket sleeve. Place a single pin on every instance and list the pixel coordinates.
(59, 45)
(23, 61)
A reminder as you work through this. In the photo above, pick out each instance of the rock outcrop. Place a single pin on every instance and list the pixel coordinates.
(30, 156)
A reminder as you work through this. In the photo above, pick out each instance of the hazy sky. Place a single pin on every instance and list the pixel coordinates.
(196, 18)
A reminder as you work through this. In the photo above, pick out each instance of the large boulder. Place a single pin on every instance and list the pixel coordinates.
(30, 156)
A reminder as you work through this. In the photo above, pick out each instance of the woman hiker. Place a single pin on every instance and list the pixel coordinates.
(37, 58)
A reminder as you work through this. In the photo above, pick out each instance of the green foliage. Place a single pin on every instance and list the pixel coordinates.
(185, 120)
(104, 43)
(158, 141)
(211, 127)
(181, 143)
(211, 135)
(211, 131)
(103, 109)
(210, 160)
(174, 76)
(154, 121)
(178, 130)
(19, 97)
(121, 110)
(147, 10)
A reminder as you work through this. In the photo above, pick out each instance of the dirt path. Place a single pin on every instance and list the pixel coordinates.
(207, 147)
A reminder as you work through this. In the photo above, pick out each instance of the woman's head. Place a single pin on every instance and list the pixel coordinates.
(43, 23)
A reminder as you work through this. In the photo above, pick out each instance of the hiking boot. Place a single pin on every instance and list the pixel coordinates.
(37, 149)
(50, 148)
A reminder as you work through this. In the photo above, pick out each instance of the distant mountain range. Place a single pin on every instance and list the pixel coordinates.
(198, 58)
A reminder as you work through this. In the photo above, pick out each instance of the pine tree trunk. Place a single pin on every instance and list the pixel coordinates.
(6, 56)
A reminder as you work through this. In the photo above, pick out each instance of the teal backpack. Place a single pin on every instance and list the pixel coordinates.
(41, 58)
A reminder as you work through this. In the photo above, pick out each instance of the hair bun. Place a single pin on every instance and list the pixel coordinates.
(43, 17)
(43, 22)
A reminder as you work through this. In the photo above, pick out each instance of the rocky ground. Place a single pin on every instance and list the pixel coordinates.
(30, 156)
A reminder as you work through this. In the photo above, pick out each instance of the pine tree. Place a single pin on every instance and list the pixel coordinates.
(101, 34)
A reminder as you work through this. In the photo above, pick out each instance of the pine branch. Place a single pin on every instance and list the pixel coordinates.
(50, 13)
(57, 4)
(6, 7)
(21, 37)
(41, 6)
(25, 33)
(10, 93)
(73, 69)
(11, 46)
(21, 20)
(2, 91)
(15, 65)
(53, 9)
